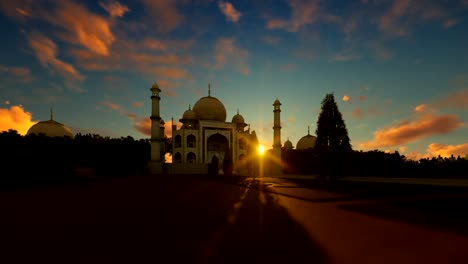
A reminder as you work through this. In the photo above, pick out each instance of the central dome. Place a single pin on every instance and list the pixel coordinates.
(210, 108)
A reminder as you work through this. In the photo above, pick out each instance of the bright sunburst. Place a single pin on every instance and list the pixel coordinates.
(261, 149)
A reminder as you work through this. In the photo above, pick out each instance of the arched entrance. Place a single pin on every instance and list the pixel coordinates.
(217, 145)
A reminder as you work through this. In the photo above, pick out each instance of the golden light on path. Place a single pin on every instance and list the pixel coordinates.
(261, 149)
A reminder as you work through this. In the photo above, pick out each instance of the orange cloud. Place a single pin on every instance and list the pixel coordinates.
(137, 104)
(81, 26)
(357, 112)
(143, 125)
(408, 131)
(154, 44)
(15, 118)
(20, 73)
(164, 13)
(112, 106)
(303, 12)
(451, 22)
(46, 52)
(114, 8)
(229, 11)
(420, 108)
(345, 98)
(458, 99)
(171, 73)
(226, 51)
(388, 23)
(436, 149)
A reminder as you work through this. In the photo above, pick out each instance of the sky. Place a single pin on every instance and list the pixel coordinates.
(398, 68)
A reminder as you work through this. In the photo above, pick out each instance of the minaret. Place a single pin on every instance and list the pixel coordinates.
(155, 125)
(277, 131)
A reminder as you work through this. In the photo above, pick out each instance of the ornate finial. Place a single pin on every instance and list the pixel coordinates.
(172, 120)
(237, 110)
(209, 89)
(51, 114)
(189, 107)
(308, 130)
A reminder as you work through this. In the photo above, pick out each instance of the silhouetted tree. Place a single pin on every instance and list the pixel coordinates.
(332, 143)
(332, 135)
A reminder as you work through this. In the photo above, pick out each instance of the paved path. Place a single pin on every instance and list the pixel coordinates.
(194, 220)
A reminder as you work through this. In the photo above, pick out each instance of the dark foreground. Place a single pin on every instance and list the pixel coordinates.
(182, 219)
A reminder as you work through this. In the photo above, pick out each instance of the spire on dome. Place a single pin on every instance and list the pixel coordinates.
(189, 107)
(51, 114)
(308, 130)
(209, 89)
(237, 110)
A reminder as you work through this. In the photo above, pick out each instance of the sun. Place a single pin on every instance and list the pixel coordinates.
(261, 149)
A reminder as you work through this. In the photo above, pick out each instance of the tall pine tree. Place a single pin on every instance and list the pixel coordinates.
(332, 135)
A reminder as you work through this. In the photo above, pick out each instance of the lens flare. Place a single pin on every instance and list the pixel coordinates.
(261, 150)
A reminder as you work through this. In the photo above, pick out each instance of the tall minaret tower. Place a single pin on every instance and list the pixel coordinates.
(155, 125)
(277, 131)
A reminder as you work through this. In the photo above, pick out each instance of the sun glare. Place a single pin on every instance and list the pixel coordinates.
(261, 149)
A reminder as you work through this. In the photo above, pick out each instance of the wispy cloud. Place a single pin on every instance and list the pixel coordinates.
(303, 13)
(344, 56)
(46, 52)
(345, 98)
(164, 14)
(15, 118)
(229, 11)
(22, 74)
(227, 53)
(114, 8)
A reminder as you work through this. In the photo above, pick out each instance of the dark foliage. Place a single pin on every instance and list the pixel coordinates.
(332, 135)
(376, 163)
(37, 158)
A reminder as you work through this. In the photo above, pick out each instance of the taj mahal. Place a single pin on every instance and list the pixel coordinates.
(205, 137)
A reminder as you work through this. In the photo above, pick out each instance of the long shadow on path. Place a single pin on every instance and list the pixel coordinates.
(259, 230)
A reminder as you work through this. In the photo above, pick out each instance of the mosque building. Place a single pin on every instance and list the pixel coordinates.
(204, 137)
(306, 142)
(50, 128)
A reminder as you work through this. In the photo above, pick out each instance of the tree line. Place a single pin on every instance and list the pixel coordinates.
(38, 158)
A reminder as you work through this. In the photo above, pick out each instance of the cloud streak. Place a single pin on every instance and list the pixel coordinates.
(226, 52)
(46, 52)
(229, 11)
(407, 131)
(114, 8)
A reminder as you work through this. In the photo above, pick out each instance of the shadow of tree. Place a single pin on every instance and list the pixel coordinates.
(262, 231)
(445, 214)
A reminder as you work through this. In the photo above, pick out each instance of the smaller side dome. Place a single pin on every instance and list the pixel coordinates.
(237, 118)
(288, 145)
(189, 114)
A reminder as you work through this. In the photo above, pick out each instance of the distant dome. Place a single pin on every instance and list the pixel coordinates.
(50, 128)
(238, 119)
(189, 115)
(306, 142)
(288, 144)
(210, 108)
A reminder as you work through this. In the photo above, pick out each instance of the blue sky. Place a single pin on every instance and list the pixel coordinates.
(398, 68)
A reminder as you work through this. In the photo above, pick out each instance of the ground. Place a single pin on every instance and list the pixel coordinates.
(195, 219)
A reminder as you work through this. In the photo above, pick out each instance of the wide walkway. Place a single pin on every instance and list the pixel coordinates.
(199, 220)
